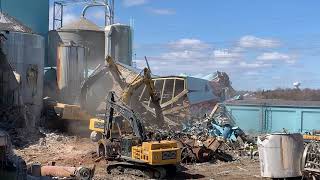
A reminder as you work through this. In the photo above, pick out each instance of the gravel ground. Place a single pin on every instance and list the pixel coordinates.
(75, 151)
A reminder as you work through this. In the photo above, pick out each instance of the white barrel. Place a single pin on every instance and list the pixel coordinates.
(280, 155)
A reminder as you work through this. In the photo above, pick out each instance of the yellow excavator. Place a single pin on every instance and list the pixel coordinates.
(135, 151)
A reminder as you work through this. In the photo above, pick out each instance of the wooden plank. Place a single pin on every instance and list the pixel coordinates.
(174, 109)
(163, 86)
(170, 122)
(144, 88)
(175, 99)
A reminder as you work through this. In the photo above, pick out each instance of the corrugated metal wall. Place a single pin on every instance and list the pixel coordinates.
(267, 119)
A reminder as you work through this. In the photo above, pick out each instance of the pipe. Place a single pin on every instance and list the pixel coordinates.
(110, 11)
(91, 5)
(64, 171)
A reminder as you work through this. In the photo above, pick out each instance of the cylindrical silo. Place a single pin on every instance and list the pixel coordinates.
(79, 33)
(25, 53)
(70, 72)
(78, 42)
(118, 43)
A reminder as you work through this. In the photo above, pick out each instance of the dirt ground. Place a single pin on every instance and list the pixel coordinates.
(75, 151)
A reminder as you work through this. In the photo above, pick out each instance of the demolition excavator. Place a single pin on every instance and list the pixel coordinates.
(136, 152)
(139, 80)
(82, 111)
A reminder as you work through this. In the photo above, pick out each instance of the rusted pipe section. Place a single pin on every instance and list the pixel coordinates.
(78, 173)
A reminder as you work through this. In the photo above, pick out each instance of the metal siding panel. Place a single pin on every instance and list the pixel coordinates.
(276, 118)
(310, 121)
(282, 119)
(247, 118)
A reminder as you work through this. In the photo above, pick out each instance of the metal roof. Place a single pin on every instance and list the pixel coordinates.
(81, 24)
(8, 23)
(274, 102)
(199, 90)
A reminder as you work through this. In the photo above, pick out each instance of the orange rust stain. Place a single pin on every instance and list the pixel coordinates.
(59, 68)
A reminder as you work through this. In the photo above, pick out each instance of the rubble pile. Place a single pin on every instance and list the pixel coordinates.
(221, 84)
(212, 138)
(218, 124)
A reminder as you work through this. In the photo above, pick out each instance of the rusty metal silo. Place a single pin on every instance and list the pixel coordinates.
(75, 49)
(70, 72)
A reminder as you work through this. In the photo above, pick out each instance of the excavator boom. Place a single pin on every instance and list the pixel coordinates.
(126, 112)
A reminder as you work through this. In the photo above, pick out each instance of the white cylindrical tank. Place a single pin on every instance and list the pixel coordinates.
(280, 155)
(118, 43)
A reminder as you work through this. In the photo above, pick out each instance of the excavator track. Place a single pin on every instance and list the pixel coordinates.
(137, 169)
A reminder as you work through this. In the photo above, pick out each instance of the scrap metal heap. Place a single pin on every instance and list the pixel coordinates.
(210, 138)
(311, 160)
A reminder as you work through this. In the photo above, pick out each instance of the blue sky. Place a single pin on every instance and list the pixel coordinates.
(261, 44)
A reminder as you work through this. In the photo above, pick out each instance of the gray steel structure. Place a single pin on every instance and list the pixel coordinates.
(25, 53)
(118, 43)
(80, 33)
(70, 72)
(75, 49)
(58, 6)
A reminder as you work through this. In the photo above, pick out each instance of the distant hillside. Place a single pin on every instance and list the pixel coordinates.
(290, 94)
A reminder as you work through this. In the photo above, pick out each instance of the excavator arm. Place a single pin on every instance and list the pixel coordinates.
(115, 106)
(110, 67)
(149, 83)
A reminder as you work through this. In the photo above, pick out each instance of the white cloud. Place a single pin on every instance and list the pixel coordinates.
(270, 56)
(189, 43)
(252, 73)
(183, 55)
(162, 11)
(69, 18)
(129, 3)
(194, 56)
(225, 54)
(255, 42)
(254, 65)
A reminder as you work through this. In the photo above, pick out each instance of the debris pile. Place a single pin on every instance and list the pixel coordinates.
(9, 161)
(59, 155)
(311, 160)
(218, 124)
(221, 84)
(210, 138)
